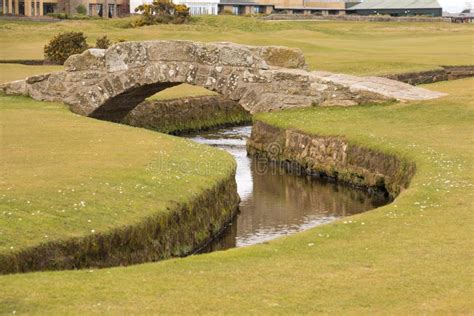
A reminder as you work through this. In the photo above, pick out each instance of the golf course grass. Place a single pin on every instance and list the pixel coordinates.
(413, 256)
(348, 47)
(12, 72)
(66, 176)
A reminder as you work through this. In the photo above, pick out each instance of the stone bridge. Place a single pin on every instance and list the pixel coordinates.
(108, 84)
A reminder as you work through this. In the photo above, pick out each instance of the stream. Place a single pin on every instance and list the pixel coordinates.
(275, 202)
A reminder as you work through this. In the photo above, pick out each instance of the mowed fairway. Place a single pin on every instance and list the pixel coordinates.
(349, 47)
(413, 256)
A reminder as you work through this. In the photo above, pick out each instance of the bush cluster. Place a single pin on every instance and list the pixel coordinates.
(65, 16)
(66, 44)
(161, 12)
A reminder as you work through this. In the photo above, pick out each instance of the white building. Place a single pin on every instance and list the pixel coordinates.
(196, 7)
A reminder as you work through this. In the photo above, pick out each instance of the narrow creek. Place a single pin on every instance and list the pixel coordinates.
(275, 202)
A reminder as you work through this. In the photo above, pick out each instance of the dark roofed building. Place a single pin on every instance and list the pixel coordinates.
(397, 8)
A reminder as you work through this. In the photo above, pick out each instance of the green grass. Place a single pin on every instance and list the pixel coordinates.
(413, 256)
(350, 47)
(67, 176)
(181, 91)
(12, 72)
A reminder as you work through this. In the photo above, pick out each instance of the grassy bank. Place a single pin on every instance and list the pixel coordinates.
(350, 47)
(65, 176)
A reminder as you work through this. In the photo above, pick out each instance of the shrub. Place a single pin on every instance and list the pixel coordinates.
(103, 42)
(227, 12)
(181, 14)
(81, 9)
(82, 17)
(161, 12)
(61, 16)
(64, 45)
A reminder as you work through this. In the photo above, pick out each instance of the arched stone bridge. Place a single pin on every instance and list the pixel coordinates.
(109, 83)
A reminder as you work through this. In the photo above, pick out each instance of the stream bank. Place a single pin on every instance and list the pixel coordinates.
(276, 202)
(187, 115)
(182, 230)
(333, 158)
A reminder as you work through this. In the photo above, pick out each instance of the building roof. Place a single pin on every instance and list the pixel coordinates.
(396, 4)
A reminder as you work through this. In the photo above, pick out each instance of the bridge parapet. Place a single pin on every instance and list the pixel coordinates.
(123, 56)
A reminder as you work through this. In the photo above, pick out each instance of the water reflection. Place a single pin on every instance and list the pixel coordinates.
(277, 203)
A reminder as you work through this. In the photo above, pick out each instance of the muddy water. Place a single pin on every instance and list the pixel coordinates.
(275, 202)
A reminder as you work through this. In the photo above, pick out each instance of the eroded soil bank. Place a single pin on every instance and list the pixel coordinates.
(182, 230)
(331, 157)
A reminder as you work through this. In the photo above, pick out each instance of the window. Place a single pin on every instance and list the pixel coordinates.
(49, 8)
(95, 10)
(111, 10)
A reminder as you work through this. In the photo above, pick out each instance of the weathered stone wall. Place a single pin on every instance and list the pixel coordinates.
(181, 230)
(432, 76)
(110, 83)
(332, 157)
(187, 114)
